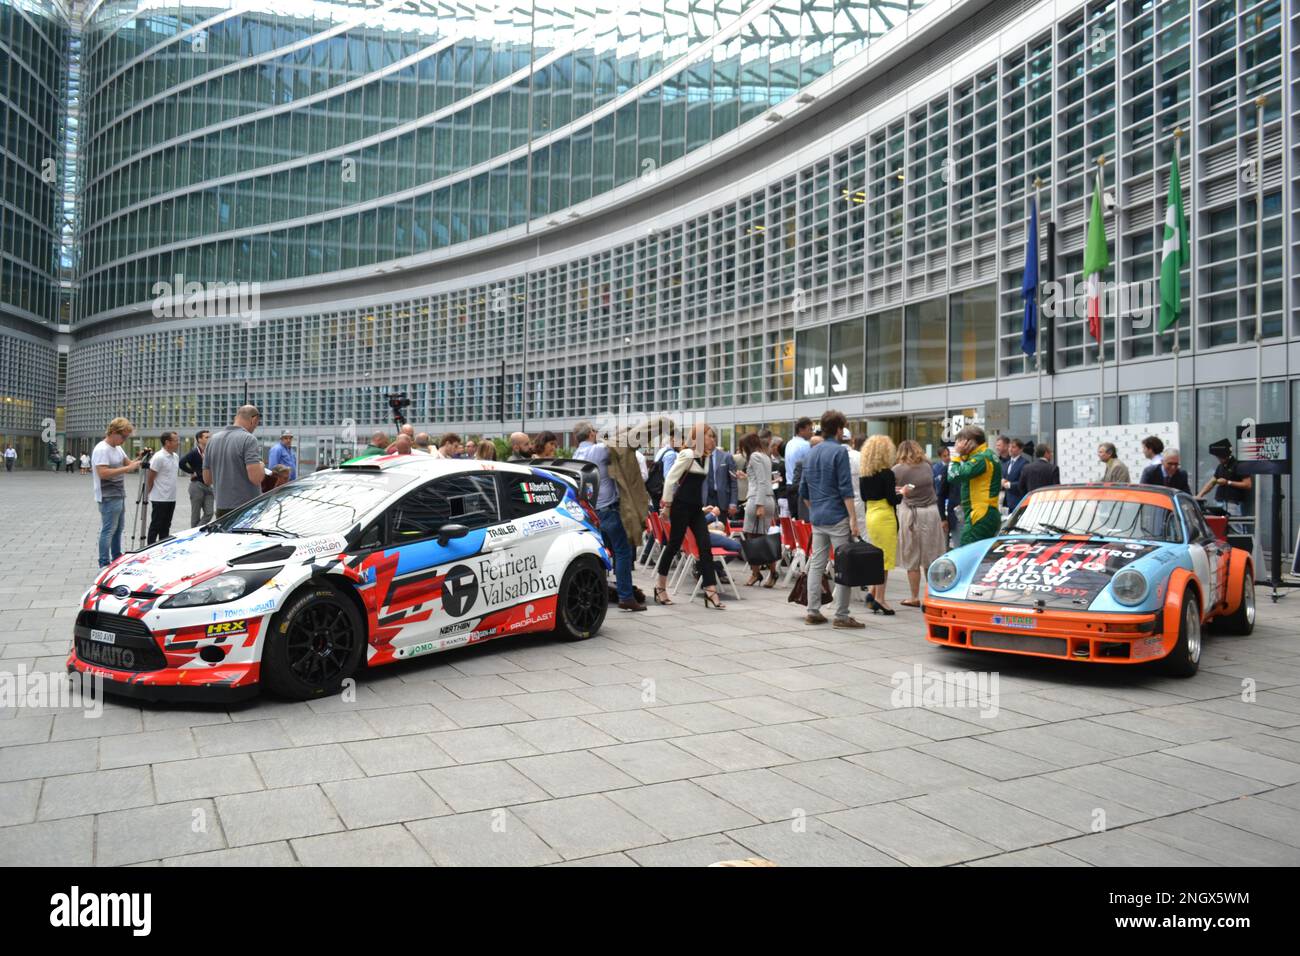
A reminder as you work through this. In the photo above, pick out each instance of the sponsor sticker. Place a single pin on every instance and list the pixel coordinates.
(228, 627)
(317, 547)
(497, 532)
(457, 628)
(540, 524)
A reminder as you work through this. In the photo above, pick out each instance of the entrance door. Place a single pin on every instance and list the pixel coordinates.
(325, 452)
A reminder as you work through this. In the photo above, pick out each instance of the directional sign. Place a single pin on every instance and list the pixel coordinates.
(839, 378)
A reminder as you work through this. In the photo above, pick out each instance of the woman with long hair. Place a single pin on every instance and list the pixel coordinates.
(920, 516)
(760, 503)
(486, 450)
(683, 499)
(880, 494)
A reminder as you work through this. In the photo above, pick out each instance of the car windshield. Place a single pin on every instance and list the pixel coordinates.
(1108, 517)
(328, 502)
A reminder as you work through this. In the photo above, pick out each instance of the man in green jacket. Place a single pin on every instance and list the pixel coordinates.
(979, 472)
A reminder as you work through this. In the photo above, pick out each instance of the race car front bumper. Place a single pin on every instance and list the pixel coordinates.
(133, 662)
(1065, 635)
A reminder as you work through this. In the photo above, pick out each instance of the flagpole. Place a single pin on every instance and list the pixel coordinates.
(1101, 308)
(1178, 160)
(1038, 310)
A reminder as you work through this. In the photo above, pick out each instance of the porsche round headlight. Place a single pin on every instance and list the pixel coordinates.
(943, 574)
(1129, 587)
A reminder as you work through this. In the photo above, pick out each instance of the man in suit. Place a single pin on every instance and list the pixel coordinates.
(1171, 475)
(1038, 473)
(1015, 465)
(720, 489)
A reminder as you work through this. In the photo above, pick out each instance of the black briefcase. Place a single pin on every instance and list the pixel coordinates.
(859, 563)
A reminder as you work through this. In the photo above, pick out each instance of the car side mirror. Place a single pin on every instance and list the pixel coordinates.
(449, 531)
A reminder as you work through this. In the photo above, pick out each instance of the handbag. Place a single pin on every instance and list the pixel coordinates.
(761, 549)
(799, 593)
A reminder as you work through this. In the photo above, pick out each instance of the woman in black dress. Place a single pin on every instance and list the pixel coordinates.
(683, 499)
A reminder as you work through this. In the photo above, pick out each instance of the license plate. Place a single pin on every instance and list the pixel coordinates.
(103, 637)
(1023, 621)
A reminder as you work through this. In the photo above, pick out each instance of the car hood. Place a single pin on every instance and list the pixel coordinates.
(197, 555)
(1054, 573)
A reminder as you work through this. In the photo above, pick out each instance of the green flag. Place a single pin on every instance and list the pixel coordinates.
(1174, 254)
(1096, 260)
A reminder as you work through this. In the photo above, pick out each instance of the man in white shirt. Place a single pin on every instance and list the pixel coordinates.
(164, 468)
(108, 468)
(11, 456)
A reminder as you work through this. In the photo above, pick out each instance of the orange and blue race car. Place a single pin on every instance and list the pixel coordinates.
(1108, 573)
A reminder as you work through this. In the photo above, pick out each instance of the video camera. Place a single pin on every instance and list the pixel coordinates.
(396, 402)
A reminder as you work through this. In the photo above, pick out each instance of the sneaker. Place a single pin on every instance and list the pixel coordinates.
(849, 622)
(814, 617)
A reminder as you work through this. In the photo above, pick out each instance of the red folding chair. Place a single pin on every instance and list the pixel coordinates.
(659, 532)
(801, 550)
(720, 555)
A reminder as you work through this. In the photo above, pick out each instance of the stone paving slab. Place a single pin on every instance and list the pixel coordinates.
(677, 737)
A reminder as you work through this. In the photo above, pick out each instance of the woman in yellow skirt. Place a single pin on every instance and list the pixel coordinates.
(880, 493)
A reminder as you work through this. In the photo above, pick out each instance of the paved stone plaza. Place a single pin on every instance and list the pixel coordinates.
(680, 736)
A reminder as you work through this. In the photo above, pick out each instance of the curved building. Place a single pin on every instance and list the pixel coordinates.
(535, 213)
(33, 77)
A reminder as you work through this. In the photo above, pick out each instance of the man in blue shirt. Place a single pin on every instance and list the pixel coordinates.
(797, 447)
(282, 454)
(827, 486)
(611, 522)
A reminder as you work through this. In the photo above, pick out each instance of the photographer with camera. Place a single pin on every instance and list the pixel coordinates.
(108, 466)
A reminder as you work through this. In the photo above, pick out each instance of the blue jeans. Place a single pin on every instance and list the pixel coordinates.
(112, 511)
(611, 529)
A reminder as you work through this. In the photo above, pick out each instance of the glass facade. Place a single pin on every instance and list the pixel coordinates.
(613, 206)
(33, 44)
(317, 137)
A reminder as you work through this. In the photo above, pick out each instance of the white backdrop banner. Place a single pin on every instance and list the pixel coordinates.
(1077, 454)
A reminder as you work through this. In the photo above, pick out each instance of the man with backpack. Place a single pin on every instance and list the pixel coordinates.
(654, 483)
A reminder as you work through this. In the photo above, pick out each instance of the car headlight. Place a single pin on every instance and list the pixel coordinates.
(1129, 587)
(229, 586)
(943, 574)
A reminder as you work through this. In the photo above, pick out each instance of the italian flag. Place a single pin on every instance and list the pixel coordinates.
(1175, 253)
(1096, 260)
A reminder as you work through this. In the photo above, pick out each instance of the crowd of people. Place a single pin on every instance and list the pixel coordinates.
(844, 486)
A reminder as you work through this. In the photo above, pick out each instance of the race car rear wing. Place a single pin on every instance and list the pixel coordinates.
(584, 473)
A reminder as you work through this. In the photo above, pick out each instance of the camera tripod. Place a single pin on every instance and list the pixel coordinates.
(140, 510)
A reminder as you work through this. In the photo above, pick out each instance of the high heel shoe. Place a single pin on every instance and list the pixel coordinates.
(771, 581)
(754, 578)
(711, 600)
(664, 599)
(871, 603)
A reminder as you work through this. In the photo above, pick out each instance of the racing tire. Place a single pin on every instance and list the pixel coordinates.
(1242, 620)
(1185, 658)
(313, 645)
(583, 600)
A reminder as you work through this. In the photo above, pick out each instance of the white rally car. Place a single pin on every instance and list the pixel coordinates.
(386, 558)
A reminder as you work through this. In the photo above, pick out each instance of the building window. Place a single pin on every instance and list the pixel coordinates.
(926, 343)
(972, 344)
(884, 351)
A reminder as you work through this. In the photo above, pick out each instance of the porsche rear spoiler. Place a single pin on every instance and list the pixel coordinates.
(585, 473)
